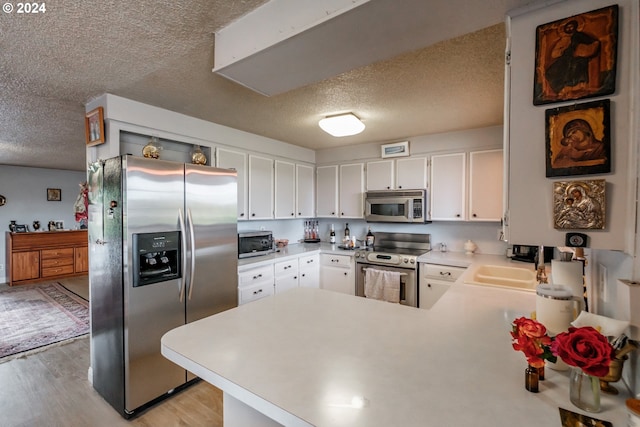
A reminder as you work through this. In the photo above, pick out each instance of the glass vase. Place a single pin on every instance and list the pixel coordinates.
(584, 390)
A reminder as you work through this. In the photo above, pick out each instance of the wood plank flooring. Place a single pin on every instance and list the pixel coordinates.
(51, 389)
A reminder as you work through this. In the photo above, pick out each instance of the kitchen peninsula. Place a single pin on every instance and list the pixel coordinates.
(309, 357)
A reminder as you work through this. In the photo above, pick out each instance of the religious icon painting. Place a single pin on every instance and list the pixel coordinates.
(578, 139)
(579, 205)
(576, 57)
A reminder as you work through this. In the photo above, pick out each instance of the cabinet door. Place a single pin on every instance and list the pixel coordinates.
(285, 189)
(448, 187)
(260, 187)
(380, 175)
(337, 280)
(485, 185)
(286, 283)
(430, 291)
(309, 271)
(81, 260)
(25, 265)
(351, 200)
(411, 173)
(327, 191)
(238, 161)
(305, 192)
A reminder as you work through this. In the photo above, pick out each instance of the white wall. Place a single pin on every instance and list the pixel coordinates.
(531, 193)
(26, 192)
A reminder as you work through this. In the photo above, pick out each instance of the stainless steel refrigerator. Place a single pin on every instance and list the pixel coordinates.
(163, 252)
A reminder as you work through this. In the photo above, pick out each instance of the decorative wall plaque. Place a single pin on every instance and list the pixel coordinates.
(579, 204)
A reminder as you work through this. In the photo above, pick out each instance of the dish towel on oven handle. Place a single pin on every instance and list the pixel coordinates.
(382, 285)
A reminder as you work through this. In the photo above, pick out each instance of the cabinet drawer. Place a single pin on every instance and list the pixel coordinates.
(309, 262)
(57, 271)
(256, 275)
(285, 268)
(56, 253)
(330, 260)
(442, 272)
(56, 262)
(253, 293)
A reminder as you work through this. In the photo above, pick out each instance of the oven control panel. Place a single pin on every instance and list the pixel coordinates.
(385, 259)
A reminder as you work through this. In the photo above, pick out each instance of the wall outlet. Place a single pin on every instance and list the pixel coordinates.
(603, 290)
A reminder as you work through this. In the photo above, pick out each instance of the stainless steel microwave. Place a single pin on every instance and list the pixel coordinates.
(254, 243)
(397, 206)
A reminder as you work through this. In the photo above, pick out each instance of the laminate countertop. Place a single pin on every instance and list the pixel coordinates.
(315, 357)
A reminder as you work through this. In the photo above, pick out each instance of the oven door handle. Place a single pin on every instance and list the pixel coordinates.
(365, 269)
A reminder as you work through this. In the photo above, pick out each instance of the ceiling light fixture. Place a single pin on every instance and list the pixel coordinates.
(341, 125)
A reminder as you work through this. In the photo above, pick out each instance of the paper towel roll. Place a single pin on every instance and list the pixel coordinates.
(568, 273)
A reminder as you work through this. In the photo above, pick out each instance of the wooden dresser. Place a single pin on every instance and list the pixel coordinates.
(46, 255)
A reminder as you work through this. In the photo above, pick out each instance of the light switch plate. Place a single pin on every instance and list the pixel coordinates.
(603, 290)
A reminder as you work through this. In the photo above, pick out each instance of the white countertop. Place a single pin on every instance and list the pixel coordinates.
(291, 250)
(301, 356)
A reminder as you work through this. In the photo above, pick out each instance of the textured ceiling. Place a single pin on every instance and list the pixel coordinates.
(161, 53)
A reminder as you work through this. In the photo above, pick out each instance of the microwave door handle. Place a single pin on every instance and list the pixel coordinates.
(183, 238)
(193, 252)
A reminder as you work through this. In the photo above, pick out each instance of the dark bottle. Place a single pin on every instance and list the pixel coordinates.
(332, 235)
(531, 379)
(370, 238)
(347, 232)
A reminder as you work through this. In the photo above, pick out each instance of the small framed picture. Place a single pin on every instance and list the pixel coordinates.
(54, 194)
(21, 228)
(578, 140)
(94, 127)
(59, 225)
(397, 149)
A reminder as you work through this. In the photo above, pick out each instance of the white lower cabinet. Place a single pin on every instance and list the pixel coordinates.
(434, 281)
(286, 275)
(255, 283)
(309, 271)
(337, 273)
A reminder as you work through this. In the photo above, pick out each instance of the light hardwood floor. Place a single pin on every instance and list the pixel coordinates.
(51, 389)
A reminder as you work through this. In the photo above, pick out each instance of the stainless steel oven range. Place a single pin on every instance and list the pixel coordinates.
(394, 252)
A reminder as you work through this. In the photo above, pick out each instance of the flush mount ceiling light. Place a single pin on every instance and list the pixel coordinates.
(341, 125)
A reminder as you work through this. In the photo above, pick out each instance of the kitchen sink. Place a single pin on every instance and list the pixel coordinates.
(504, 276)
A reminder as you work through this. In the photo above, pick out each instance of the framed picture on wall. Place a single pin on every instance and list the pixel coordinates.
(578, 139)
(576, 57)
(54, 194)
(94, 127)
(579, 204)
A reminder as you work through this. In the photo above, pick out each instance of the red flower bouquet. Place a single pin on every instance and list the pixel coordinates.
(585, 348)
(530, 337)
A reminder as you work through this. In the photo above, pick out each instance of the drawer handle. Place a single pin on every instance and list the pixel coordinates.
(310, 261)
(257, 292)
(445, 273)
(257, 277)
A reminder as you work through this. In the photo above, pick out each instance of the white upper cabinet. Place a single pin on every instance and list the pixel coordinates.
(285, 189)
(380, 175)
(351, 192)
(229, 159)
(485, 185)
(411, 173)
(327, 191)
(305, 207)
(407, 174)
(448, 192)
(260, 187)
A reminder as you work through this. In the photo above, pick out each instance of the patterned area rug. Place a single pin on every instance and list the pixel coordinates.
(35, 316)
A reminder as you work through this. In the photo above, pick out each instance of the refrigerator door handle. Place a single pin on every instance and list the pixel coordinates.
(193, 252)
(183, 233)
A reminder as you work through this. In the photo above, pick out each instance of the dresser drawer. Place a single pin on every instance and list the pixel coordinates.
(331, 260)
(56, 253)
(442, 272)
(57, 271)
(253, 293)
(285, 268)
(56, 262)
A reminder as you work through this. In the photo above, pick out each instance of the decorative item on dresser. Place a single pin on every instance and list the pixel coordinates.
(33, 257)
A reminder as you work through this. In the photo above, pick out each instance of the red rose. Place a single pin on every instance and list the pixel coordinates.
(531, 350)
(585, 348)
